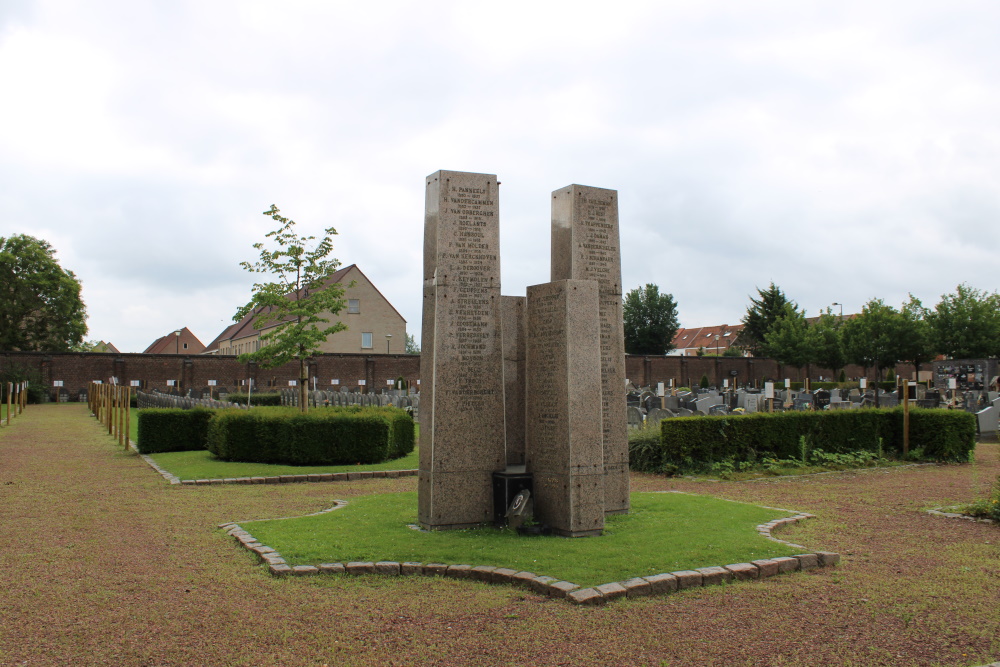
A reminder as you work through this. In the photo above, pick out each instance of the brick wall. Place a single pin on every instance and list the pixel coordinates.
(77, 370)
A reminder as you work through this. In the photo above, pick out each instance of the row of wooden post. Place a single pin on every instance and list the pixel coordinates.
(17, 399)
(110, 405)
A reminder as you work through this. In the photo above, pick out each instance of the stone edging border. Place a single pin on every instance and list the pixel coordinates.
(657, 584)
(941, 511)
(276, 479)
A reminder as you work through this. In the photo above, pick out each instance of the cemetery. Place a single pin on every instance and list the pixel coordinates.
(530, 493)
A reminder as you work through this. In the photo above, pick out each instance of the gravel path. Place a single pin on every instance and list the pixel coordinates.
(104, 563)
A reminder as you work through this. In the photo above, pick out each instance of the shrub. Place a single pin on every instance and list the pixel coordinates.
(255, 399)
(704, 382)
(172, 429)
(693, 443)
(330, 436)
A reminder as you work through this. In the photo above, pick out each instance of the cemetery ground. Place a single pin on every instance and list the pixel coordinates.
(104, 563)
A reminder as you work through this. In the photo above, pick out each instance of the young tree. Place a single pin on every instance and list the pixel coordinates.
(42, 309)
(761, 315)
(872, 339)
(650, 321)
(917, 337)
(966, 324)
(411, 345)
(829, 347)
(296, 308)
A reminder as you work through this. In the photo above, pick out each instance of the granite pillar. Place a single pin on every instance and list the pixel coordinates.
(585, 246)
(512, 325)
(461, 362)
(563, 448)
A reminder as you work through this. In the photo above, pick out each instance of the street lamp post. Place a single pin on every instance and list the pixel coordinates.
(177, 339)
(387, 337)
(841, 309)
(716, 344)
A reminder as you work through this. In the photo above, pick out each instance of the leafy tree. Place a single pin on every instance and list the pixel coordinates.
(966, 324)
(829, 348)
(872, 339)
(42, 309)
(650, 321)
(296, 308)
(761, 315)
(732, 351)
(917, 343)
(789, 340)
(411, 345)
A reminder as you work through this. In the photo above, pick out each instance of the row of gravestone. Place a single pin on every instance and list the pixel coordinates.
(398, 399)
(158, 400)
(646, 407)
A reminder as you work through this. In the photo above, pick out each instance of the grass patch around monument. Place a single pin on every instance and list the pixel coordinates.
(664, 532)
(202, 464)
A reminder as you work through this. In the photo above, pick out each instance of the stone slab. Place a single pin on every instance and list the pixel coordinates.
(687, 579)
(744, 571)
(461, 365)
(712, 576)
(563, 447)
(611, 591)
(807, 561)
(585, 246)
(662, 583)
(767, 567)
(637, 587)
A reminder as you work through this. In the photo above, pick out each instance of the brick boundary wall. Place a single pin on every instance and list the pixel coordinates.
(77, 370)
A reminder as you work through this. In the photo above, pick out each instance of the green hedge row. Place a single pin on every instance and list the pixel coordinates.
(688, 443)
(255, 399)
(172, 429)
(330, 436)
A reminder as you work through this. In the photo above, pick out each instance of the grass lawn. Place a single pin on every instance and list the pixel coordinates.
(203, 465)
(664, 532)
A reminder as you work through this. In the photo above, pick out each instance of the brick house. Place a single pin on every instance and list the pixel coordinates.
(712, 339)
(180, 341)
(374, 326)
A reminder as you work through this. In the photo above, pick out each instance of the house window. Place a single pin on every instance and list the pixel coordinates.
(185, 346)
(366, 341)
(354, 306)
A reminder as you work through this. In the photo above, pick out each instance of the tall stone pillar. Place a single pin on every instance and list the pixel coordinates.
(585, 246)
(512, 325)
(563, 450)
(461, 361)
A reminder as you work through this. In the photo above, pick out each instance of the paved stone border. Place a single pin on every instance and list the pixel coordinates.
(942, 511)
(657, 584)
(277, 479)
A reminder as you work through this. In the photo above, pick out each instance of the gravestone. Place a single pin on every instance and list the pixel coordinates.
(461, 365)
(585, 246)
(750, 402)
(633, 416)
(563, 447)
(512, 327)
(986, 420)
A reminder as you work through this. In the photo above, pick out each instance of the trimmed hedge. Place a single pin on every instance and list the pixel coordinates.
(255, 399)
(329, 436)
(692, 442)
(172, 429)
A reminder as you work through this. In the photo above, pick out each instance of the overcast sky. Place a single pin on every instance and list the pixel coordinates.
(844, 150)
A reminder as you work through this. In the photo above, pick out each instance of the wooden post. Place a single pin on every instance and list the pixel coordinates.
(109, 413)
(128, 416)
(906, 418)
(122, 435)
(10, 390)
